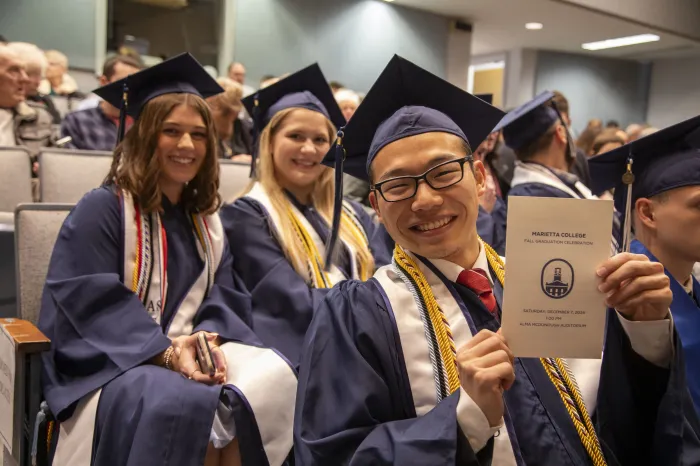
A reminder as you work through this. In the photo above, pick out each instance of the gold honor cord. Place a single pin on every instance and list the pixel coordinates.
(441, 326)
(558, 372)
(318, 276)
(350, 225)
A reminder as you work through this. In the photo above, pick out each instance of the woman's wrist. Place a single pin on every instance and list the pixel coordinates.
(168, 358)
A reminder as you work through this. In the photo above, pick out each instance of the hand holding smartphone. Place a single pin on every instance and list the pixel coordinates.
(204, 355)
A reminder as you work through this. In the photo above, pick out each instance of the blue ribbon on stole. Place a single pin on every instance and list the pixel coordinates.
(686, 320)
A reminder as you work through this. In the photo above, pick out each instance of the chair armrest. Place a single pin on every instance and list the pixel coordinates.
(27, 338)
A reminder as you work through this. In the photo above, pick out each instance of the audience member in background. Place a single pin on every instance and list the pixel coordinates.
(490, 224)
(35, 63)
(579, 165)
(612, 124)
(96, 128)
(666, 220)
(236, 72)
(3, 41)
(235, 140)
(268, 80)
(122, 373)
(543, 147)
(348, 101)
(647, 131)
(335, 86)
(606, 141)
(588, 135)
(279, 228)
(633, 131)
(58, 81)
(20, 124)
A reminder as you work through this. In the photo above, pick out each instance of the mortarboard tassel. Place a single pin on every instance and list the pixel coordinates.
(628, 180)
(338, 201)
(122, 114)
(256, 135)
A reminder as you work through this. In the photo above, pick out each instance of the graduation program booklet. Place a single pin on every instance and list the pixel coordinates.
(551, 303)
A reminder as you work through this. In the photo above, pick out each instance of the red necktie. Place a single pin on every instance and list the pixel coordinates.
(475, 280)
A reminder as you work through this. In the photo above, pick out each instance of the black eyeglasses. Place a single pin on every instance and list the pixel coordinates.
(441, 176)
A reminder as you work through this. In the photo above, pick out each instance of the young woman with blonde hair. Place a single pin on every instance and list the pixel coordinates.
(279, 227)
(140, 272)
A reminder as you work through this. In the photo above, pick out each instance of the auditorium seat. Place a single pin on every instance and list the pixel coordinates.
(65, 175)
(15, 181)
(233, 178)
(36, 228)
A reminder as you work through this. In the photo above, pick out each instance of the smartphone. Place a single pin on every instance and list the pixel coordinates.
(204, 356)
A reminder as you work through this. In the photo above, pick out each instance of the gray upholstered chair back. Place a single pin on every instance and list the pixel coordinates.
(15, 178)
(65, 175)
(36, 230)
(233, 178)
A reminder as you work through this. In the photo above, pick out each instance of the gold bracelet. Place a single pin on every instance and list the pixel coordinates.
(168, 358)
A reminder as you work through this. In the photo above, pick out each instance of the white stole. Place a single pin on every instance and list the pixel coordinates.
(534, 173)
(335, 275)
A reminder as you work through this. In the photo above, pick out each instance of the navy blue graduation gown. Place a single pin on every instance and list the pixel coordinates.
(354, 402)
(491, 227)
(283, 303)
(102, 337)
(686, 316)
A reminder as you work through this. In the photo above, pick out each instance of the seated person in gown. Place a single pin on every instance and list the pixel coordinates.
(140, 267)
(409, 368)
(664, 215)
(278, 229)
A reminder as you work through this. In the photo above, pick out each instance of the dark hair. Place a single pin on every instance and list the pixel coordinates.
(612, 124)
(136, 169)
(541, 143)
(335, 85)
(2, 39)
(111, 63)
(561, 102)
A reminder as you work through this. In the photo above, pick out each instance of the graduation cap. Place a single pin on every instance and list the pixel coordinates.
(648, 166)
(488, 98)
(528, 122)
(406, 100)
(180, 74)
(307, 88)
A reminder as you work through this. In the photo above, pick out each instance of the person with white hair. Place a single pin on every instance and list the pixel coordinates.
(348, 101)
(35, 65)
(20, 124)
(58, 81)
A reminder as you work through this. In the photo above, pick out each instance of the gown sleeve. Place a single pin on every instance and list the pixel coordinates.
(375, 235)
(98, 327)
(349, 368)
(644, 413)
(282, 302)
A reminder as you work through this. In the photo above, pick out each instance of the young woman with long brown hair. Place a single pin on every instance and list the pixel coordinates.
(278, 228)
(140, 270)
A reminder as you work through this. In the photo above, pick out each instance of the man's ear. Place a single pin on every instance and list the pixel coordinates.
(479, 176)
(561, 133)
(644, 211)
(374, 202)
(103, 80)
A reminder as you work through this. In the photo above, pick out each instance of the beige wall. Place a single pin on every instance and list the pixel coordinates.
(490, 82)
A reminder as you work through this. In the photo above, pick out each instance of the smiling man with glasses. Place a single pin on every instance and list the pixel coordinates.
(409, 368)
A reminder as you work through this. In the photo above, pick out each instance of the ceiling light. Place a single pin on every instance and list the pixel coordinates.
(621, 42)
(534, 26)
(388, 1)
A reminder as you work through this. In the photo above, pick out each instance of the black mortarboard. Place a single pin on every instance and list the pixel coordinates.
(528, 122)
(662, 161)
(180, 74)
(488, 98)
(406, 100)
(306, 88)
